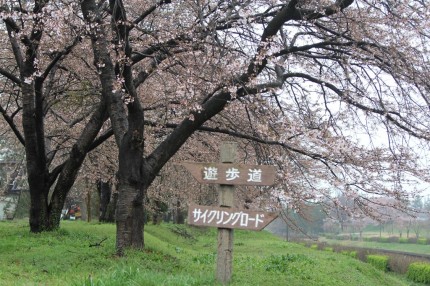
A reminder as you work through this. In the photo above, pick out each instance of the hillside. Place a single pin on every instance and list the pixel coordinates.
(83, 254)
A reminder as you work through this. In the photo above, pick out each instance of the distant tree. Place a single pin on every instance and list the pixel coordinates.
(417, 203)
(107, 201)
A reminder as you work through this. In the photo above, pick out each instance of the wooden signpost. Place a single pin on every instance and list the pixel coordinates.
(223, 217)
(227, 175)
(232, 174)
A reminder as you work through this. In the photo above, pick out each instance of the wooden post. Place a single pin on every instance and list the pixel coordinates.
(225, 236)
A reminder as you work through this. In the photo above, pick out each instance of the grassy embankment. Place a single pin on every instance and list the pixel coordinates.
(406, 247)
(65, 258)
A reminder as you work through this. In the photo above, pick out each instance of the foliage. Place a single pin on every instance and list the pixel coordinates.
(350, 253)
(403, 240)
(419, 272)
(378, 261)
(422, 240)
(384, 239)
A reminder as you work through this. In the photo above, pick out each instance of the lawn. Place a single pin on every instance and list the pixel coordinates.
(174, 255)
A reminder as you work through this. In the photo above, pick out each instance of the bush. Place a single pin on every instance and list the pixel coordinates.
(422, 241)
(403, 240)
(412, 240)
(314, 246)
(378, 261)
(352, 254)
(419, 272)
(355, 238)
(343, 237)
(393, 239)
(383, 239)
(329, 249)
(329, 236)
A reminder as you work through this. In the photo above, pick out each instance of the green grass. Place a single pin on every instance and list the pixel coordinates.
(65, 258)
(407, 247)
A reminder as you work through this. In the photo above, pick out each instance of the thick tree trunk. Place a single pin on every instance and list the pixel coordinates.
(39, 214)
(44, 213)
(129, 219)
(131, 184)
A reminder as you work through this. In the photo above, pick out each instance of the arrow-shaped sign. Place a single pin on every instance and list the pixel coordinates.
(232, 174)
(229, 218)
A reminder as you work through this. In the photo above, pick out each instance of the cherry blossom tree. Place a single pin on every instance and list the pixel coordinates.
(47, 102)
(307, 77)
(333, 92)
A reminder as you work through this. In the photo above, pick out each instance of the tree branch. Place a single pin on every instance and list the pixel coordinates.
(12, 125)
(10, 76)
(148, 12)
(389, 115)
(59, 56)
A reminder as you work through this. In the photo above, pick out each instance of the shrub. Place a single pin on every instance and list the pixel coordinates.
(329, 236)
(393, 239)
(412, 240)
(403, 240)
(383, 239)
(419, 272)
(352, 254)
(343, 237)
(314, 246)
(378, 261)
(422, 241)
(329, 249)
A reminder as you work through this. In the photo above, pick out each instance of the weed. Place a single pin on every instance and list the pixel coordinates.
(207, 259)
(284, 262)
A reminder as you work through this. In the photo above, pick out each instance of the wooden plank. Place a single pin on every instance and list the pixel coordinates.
(232, 174)
(224, 263)
(231, 218)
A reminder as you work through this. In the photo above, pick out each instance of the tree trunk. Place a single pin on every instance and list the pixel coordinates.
(104, 191)
(111, 209)
(129, 219)
(39, 214)
(179, 215)
(131, 187)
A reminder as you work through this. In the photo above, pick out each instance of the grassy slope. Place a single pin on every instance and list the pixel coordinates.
(407, 247)
(65, 258)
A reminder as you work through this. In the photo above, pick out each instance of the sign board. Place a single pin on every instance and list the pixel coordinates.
(232, 174)
(229, 218)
